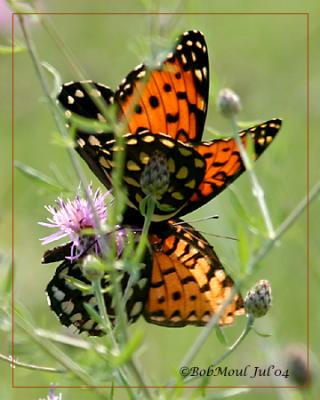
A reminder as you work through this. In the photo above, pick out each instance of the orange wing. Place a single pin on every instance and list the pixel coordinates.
(171, 99)
(188, 283)
(224, 163)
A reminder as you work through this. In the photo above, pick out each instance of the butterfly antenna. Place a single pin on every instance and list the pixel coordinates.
(196, 220)
(218, 236)
(185, 224)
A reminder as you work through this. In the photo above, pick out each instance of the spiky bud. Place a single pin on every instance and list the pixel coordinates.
(258, 300)
(155, 177)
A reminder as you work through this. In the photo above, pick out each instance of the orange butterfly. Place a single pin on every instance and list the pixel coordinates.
(165, 110)
(185, 285)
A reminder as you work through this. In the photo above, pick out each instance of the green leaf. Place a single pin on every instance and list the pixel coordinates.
(59, 140)
(7, 50)
(84, 287)
(39, 178)
(93, 313)
(250, 149)
(144, 205)
(221, 336)
(238, 207)
(22, 312)
(56, 77)
(128, 351)
(243, 247)
(21, 7)
(90, 125)
(215, 133)
(261, 334)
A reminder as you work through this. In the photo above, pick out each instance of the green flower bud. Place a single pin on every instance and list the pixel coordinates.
(228, 103)
(258, 300)
(93, 268)
(155, 177)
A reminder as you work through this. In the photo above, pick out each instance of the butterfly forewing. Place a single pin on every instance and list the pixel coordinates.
(78, 98)
(172, 97)
(188, 283)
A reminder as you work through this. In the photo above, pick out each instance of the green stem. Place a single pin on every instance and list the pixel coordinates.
(143, 240)
(97, 289)
(295, 214)
(70, 341)
(15, 363)
(232, 348)
(236, 344)
(256, 187)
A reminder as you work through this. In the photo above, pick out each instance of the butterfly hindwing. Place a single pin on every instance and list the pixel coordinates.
(188, 283)
(182, 283)
(185, 166)
(67, 300)
(224, 163)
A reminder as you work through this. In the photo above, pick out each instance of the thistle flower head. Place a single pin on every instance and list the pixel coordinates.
(258, 300)
(155, 177)
(71, 217)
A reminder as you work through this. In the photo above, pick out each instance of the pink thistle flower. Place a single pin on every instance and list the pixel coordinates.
(71, 217)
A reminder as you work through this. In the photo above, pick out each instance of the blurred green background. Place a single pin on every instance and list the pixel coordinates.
(262, 58)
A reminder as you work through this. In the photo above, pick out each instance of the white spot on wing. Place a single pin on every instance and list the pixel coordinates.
(136, 309)
(67, 307)
(58, 294)
(79, 93)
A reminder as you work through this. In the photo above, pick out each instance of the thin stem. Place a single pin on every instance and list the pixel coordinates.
(293, 216)
(15, 363)
(256, 187)
(232, 348)
(138, 376)
(70, 341)
(143, 240)
(235, 345)
(97, 289)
